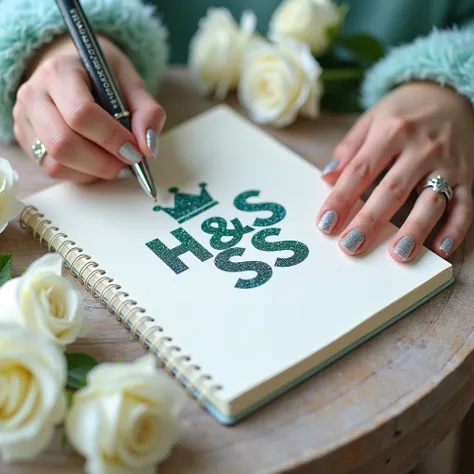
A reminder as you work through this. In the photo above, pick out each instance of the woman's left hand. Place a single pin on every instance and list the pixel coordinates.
(418, 131)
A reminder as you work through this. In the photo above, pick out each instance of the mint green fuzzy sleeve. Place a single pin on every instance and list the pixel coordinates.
(444, 56)
(27, 25)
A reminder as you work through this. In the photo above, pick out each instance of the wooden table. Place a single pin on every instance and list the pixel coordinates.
(378, 410)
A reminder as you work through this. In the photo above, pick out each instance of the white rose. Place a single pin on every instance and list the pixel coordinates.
(32, 379)
(279, 81)
(306, 21)
(126, 418)
(216, 49)
(10, 207)
(45, 302)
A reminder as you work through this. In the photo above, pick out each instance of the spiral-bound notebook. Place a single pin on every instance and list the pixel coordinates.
(227, 279)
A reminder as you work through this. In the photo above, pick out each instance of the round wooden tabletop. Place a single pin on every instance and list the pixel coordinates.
(377, 410)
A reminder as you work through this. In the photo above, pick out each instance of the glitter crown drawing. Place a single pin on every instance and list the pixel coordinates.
(187, 206)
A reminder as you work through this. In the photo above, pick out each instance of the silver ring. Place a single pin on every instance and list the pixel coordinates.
(440, 186)
(120, 115)
(39, 150)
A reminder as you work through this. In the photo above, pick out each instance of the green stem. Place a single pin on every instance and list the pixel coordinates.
(341, 74)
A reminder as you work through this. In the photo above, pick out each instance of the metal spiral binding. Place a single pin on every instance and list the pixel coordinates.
(169, 356)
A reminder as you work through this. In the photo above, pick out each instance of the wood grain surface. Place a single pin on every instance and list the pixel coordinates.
(379, 410)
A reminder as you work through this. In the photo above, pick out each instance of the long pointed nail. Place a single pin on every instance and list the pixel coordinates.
(130, 153)
(330, 167)
(447, 245)
(404, 247)
(152, 140)
(353, 240)
(328, 221)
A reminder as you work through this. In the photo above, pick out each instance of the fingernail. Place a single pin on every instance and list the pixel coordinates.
(404, 247)
(130, 153)
(331, 166)
(124, 173)
(447, 245)
(152, 142)
(353, 240)
(328, 221)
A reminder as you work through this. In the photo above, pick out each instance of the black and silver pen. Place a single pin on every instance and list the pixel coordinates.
(104, 86)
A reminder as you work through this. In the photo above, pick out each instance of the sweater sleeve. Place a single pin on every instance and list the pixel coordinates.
(27, 25)
(444, 56)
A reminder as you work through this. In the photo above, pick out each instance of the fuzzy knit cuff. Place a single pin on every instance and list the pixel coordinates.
(445, 57)
(27, 25)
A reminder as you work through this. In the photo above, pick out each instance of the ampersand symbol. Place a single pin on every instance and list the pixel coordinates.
(217, 226)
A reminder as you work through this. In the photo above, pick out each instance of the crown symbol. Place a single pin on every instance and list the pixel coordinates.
(187, 206)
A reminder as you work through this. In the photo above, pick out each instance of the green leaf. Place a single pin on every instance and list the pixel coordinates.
(6, 268)
(341, 97)
(332, 32)
(79, 365)
(364, 46)
(341, 74)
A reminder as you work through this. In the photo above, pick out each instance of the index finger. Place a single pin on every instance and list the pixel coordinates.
(148, 117)
(87, 118)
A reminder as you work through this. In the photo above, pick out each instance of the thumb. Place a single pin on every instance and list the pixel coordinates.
(148, 117)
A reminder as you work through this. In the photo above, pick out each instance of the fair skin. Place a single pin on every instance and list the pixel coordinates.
(56, 105)
(418, 131)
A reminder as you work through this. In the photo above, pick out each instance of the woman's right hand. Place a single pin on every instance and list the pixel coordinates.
(83, 142)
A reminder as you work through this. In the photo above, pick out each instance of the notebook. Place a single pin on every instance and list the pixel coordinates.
(227, 279)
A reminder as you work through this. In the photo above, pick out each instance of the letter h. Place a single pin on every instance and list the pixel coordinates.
(170, 256)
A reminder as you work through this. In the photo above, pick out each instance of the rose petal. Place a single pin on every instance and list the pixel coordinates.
(49, 263)
(83, 427)
(10, 310)
(33, 400)
(30, 448)
(119, 401)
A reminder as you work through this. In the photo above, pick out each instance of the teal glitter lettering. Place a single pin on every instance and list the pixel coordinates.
(277, 210)
(218, 227)
(300, 250)
(263, 270)
(188, 205)
(170, 256)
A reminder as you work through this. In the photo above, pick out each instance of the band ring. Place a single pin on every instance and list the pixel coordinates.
(440, 186)
(39, 150)
(120, 115)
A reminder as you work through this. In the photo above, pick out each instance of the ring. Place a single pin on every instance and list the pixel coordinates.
(39, 150)
(440, 186)
(120, 115)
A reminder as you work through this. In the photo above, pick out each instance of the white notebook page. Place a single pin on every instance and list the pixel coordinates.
(240, 336)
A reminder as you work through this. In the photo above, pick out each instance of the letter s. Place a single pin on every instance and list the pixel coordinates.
(264, 271)
(300, 250)
(277, 210)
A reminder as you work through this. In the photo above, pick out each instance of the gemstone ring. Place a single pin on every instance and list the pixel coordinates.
(39, 150)
(440, 186)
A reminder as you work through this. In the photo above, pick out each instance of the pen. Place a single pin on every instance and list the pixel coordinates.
(104, 87)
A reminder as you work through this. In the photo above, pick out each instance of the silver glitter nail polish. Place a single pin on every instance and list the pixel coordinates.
(124, 173)
(353, 240)
(331, 166)
(130, 153)
(447, 245)
(328, 221)
(152, 142)
(404, 247)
